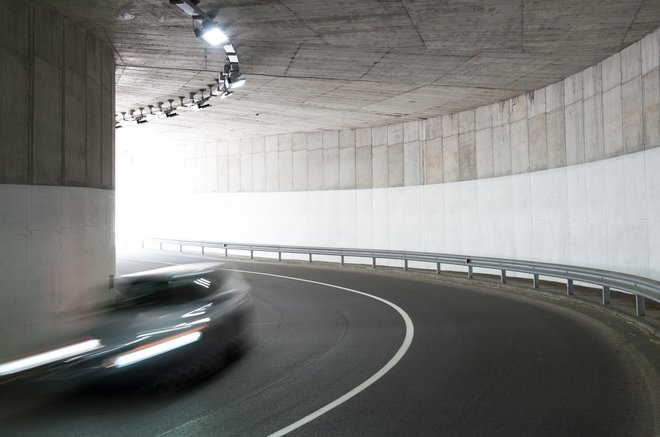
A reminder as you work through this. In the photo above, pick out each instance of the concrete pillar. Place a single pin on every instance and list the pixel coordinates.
(56, 171)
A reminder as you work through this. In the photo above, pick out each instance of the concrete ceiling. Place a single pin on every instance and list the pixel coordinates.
(317, 64)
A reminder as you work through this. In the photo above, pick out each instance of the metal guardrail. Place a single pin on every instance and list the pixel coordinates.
(642, 288)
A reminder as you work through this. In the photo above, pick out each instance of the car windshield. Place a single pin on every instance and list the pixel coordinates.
(171, 291)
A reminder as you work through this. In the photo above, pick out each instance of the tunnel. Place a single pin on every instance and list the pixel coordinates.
(447, 212)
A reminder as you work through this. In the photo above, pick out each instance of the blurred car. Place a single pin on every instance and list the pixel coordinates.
(170, 326)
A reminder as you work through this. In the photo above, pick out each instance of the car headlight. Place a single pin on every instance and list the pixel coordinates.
(155, 348)
(51, 356)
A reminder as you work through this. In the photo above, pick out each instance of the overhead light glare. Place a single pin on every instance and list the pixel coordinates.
(211, 33)
(238, 82)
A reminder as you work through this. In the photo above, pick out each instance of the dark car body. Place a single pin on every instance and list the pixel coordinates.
(183, 318)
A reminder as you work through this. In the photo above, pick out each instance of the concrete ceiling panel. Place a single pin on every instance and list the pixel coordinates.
(314, 65)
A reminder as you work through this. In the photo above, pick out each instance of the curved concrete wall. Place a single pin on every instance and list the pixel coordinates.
(603, 214)
(568, 174)
(607, 110)
(56, 169)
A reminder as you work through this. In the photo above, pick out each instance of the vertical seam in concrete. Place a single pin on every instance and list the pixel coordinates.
(511, 172)
(84, 85)
(30, 118)
(306, 165)
(113, 146)
(371, 152)
(422, 150)
(492, 142)
(643, 102)
(602, 117)
(522, 26)
(355, 184)
(545, 127)
(623, 140)
(291, 164)
(584, 133)
(63, 109)
(100, 132)
(103, 121)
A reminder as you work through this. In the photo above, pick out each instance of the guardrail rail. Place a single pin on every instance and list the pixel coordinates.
(642, 288)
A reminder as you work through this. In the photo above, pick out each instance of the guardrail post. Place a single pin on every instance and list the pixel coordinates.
(279, 256)
(640, 305)
(503, 277)
(342, 260)
(470, 273)
(535, 281)
(606, 295)
(569, 287)
(226, 252)
(310, 258)
(252, 254)
(373, 262)
(437, 268)
(405, 264)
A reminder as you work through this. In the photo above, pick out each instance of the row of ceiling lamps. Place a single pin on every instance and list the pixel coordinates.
(204, 27)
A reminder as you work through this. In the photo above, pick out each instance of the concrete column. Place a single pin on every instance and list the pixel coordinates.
(56, 171)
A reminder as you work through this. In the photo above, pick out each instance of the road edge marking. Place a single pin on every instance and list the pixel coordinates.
(407, 340)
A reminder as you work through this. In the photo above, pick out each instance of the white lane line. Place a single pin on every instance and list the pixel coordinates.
(407, 340)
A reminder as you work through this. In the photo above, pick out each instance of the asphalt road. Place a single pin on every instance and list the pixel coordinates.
(480, 363)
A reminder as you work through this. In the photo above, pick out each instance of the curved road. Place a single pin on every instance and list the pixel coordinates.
(480, 363)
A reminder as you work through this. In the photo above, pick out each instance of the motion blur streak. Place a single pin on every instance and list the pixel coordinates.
(161, 347)
(48, 357)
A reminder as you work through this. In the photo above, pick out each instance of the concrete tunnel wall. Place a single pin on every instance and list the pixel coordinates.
(569, 173)
(56, 169)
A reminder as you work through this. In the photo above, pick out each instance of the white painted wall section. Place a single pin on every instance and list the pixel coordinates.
(602, 214)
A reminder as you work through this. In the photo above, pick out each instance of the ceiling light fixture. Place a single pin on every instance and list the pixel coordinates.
(211, 33)
(141, 118)
(171, 111)
(181, 106)
(202, 103)
(204, 27)
(237, 82)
